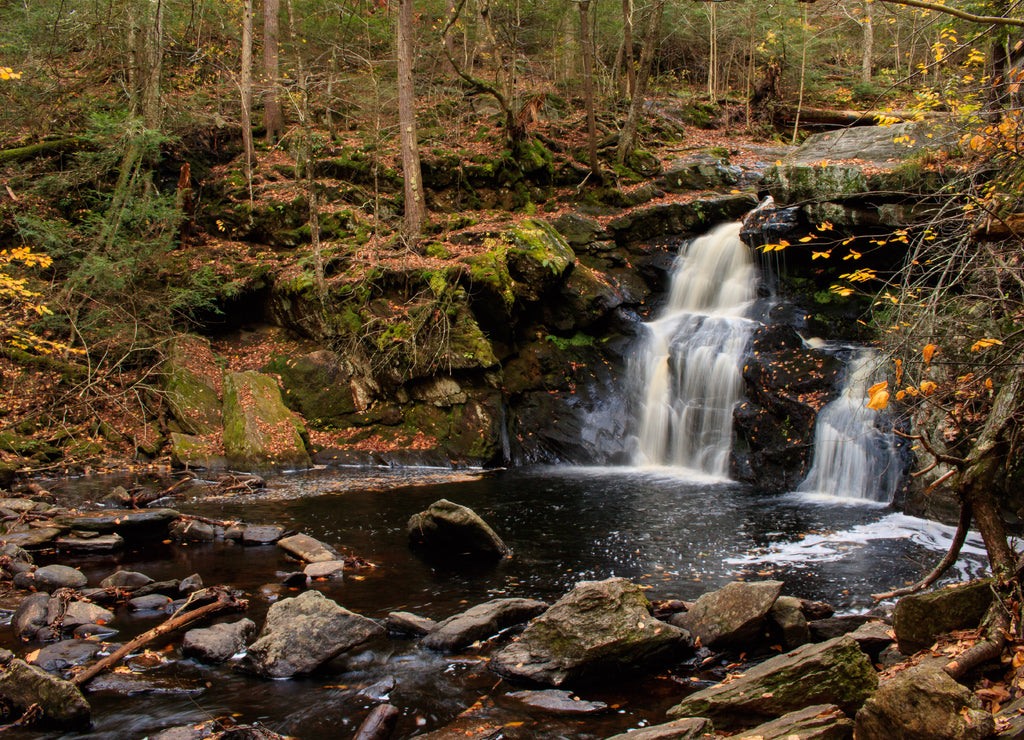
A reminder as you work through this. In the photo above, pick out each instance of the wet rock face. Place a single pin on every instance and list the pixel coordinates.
(597, 629)
(919, 618)
(733, 615)
(447, 528)
(22, 685)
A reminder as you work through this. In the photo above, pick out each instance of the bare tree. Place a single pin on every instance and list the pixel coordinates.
(588, 84)
(245, 87)
(273, 117)
(627, 137)
(415, 206)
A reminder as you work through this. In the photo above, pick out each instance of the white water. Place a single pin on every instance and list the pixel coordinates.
(690, 368)
(853, 458)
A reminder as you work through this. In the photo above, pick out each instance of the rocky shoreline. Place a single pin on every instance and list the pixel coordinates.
(797, 669)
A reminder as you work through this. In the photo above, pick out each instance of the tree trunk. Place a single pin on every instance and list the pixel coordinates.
(803, 72)
(415, 208)
(588, 85)
(627, 138)
(868, 47)
(152, 59)
(245, 87)
(273, 116)
(627, 46)
(712, 52)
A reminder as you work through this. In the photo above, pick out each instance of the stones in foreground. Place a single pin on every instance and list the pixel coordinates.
(599, 626)
(23, 685)
(732, 615)
(919, 618)
(451, 529)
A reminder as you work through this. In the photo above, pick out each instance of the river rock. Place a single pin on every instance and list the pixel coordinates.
(51, 577)
(453, 529)
(306, 548)
(380, 690)
(557, 702)
(405, 623)
(192, 530)
(482, 621)
(128, 523)
(259, 430)
(33, 538)
(262, 534)
(218, 643)
(75, 613)
(821, 722)
(873, 638)
(22, 685)
(730, 616)
(833, 672)
(789, 618)
(327, 570)
(833, 627)
(149, 603)
(30, 616)
(923, 703)
(920, 618)
(128, 580)
(15, 554)
(190, 584)
(78, 545)
(66, 653)
(304, 632)
(688, 728)
(1010, 721)
(215, 728)
(598, 628)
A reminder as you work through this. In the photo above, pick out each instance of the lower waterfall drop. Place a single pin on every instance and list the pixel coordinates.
(690, 366)
(853, 458)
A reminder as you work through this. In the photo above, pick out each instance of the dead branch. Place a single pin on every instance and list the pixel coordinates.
(988, 649)
(181, 618)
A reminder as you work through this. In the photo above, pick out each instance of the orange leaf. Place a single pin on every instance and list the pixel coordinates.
(899, 370)
(878, 396)
(984, 344)
(928, 352)
(928, 387)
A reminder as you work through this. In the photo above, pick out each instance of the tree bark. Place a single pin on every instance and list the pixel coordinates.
(588, 86)
(868, 42)
(627, 47)
(415, 208)
(627, 138)
(245, 87)
(273, 116)
(152, 58)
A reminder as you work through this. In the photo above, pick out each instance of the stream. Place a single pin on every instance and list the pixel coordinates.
(677, 536)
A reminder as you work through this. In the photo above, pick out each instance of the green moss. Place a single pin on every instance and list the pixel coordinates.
(438, 251)
(579, 339)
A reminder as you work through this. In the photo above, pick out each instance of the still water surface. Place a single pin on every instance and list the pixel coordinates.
(680, 537)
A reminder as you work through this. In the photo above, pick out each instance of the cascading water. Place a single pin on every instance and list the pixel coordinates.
(853, 458)
(690, 364)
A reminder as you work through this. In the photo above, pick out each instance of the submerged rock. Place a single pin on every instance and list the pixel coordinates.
(596, 629)
(305, 632)
(451, 529)
(732, 615)
(923, 703)
(833, 672)
(22, 685)
(919, 618)
(557, 702)
(481, 622)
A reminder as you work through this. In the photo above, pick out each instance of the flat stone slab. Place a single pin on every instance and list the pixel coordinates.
(33, 538)
(557, 701)
(820, 722)
(689, 728)
(122, 521)
(482, 621)
(262, 534)
(85, 545)
(327, 569)
(307, 548)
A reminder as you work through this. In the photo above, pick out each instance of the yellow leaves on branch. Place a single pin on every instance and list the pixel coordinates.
(878, 396)
(777, 247)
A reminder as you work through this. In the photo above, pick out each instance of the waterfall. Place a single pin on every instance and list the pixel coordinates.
(690, 366)
(853, 458)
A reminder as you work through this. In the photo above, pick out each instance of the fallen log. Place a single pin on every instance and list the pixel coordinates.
(181, 618)
(785, 113)
(42, 149)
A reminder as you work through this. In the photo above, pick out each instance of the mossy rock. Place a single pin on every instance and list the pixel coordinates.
(192, 384)
(538, 258)
(192, 451)
(259, 430)
(489, 279)
(317, 385)
(28, 447)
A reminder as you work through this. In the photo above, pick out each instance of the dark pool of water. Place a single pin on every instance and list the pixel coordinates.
(678, 537)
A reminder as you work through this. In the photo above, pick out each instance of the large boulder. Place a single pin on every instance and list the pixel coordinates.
(730, 616)
(538, 258)
(305, 632)
(923, 703)
(597, 628)
(22, 685)
(449, 528)
(192, 383)
(259, 430)
(833, 672)
(482, 621)
(919, 618)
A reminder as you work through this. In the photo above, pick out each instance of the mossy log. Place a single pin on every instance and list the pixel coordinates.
(42, 149)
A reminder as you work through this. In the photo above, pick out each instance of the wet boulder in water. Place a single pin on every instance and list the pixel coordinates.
(306, 548)
(919, 618)
(218, 643)
(834, 672)
(598, 628)
(689, 728)
(30, 616)
(821, 722)
(923, 703)
(52, 577)
(730, 616)
(451, 529)
(406, 623)
(482, 621)
(305, 632)
(22, 685)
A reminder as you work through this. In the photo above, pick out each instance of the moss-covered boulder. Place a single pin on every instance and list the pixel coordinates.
(192, 383)
(197, 451)
(598, 629)
(834, 672)
(318, 385)
(919, 618)
(259, 430)
(702, 172)
(538, 258)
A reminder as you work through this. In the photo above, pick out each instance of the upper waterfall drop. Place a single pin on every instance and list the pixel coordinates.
(853, 458)
(690, 366)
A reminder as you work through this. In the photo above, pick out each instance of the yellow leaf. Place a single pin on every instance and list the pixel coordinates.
(911, 390)
(928, 352)
(928, 387)
(988, 383)
(899, 370)
(984, 344)
(821, 255)
(809, 237)
(878, 396)
(900, 395)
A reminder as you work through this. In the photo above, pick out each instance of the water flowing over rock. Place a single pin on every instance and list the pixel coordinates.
(919, 618)
(482, 621)
(690, 367)
(733, 615)
(305, 632)
(449, 528)
(923, 703)
(597, 628)
(833, 672)
(853, 458)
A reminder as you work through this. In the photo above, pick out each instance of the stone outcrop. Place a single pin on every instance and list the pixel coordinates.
(596, 629)
(923, 703)
(833, 672)
(259, 430)
(919, 618)
(451, 529)
(60, 701)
